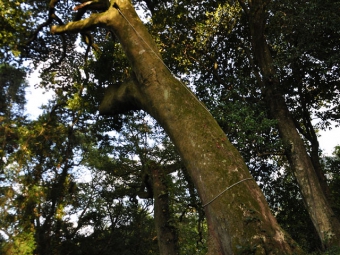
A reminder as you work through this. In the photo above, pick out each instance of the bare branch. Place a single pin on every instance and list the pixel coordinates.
(51, 16)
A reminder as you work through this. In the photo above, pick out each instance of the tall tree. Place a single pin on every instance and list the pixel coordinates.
(12, 119)
(320, 211)
(238, 223)
(12, 103)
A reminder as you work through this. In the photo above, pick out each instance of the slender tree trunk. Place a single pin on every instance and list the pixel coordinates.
(315, 159)
(238, 216)
(166, 233)
(320, 212)
(314, 156)
(309, 133)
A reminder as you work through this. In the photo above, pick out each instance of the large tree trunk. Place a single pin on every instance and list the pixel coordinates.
(239, 220)
(320, 212)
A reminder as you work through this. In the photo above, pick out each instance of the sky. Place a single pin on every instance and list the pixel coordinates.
(329, 139)
(38, 96)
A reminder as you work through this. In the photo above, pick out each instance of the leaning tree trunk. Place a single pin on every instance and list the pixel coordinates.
(239, 219)
(320, 212)
(308, 132)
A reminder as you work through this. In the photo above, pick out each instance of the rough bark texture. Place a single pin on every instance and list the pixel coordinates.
(320, 212)
(239, 221)
(166, 233)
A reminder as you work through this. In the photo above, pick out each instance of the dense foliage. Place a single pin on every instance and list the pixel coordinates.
(75, 182)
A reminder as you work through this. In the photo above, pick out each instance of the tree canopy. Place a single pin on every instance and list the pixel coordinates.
(191, 129)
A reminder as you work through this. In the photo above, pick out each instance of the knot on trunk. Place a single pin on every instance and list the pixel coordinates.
(120, 98)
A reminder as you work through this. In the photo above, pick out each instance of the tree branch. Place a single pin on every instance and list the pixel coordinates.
(51, 16)
(244, 6)
(78, 26)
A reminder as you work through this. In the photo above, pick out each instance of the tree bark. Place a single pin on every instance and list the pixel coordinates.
(320, 212)
(239, 220)
(166, 232)
(308, 133)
